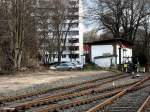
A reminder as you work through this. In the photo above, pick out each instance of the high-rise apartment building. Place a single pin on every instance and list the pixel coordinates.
(74, 42)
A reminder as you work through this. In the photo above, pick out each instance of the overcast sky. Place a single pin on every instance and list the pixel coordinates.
(87, 27)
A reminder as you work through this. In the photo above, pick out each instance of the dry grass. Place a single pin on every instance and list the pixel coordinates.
(25, 80)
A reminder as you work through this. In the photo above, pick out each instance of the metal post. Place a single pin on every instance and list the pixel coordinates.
(120, 57)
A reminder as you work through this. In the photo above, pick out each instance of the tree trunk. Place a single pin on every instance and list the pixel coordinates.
(59, 57)
(17, 59)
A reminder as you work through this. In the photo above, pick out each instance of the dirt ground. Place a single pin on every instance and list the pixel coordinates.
(25, 80)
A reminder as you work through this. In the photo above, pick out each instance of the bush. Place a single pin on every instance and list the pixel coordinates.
(91, 66)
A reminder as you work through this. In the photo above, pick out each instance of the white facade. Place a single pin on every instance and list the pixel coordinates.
(76, 35)
(105, 56)
(100, 50)
(81, 30)
(105, 62)
(126, 54)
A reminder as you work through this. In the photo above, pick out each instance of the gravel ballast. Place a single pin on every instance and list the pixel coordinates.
(53, 79)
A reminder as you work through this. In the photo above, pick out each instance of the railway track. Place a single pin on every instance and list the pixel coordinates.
(145, 107)
(129, 102)
(52, 105)
(88, 89)
(74, 89)
(27, 95)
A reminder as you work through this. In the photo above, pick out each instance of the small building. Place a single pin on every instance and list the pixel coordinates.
(107, 53)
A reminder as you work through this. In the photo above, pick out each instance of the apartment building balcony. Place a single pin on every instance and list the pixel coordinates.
(74, 28)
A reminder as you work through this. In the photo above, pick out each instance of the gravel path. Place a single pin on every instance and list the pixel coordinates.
(15, 85)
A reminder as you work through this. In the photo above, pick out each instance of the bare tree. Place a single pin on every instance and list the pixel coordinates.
(108, 13)
(142, 44)
(61, 20)
(3, 35)
(46, 42)
(90, 36)
(121, 17)
(56, 20)
(133, 17)
(146, 26)
(20, 28)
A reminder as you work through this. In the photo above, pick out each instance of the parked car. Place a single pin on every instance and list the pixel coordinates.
(63, 66)
(66, 66)
(53, 67)
(78, 64)
(55, 64)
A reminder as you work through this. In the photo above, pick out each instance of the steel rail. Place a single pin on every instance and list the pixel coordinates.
(56, 107)
(53, 108)
(120, 94)
(64, 95)
(144, 105)
(13, 98)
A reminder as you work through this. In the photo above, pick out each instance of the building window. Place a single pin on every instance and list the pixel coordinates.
(65, 48)
(64, 56)
(73, 56)
(73, 33)
(74, 9)
(73, 48)
(73, 40)
(74, 25)
(73, 17)
(55, 56)
(73, 2)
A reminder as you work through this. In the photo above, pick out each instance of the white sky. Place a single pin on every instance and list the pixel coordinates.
(86, 27)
